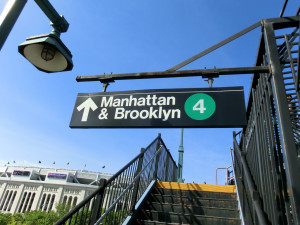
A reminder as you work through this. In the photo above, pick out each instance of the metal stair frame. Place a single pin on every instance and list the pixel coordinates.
(268, 143)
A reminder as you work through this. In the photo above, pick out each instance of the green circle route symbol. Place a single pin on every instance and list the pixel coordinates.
(200, 106)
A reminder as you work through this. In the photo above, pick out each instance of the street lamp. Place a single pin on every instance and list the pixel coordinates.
(46, 52)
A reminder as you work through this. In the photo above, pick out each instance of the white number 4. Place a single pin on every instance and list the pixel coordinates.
(199, 106)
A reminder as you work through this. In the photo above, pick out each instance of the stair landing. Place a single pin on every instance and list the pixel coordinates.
(196, 187)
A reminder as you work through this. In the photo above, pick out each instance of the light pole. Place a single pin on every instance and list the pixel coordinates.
(46, 52)
(180, 158)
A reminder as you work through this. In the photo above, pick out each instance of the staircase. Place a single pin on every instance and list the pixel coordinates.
(288, 49)
(181, 203)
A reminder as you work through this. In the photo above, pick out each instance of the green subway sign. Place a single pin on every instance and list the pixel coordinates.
(200, 106)
(166, 108)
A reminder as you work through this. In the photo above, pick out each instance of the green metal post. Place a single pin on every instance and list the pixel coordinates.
(180, 158)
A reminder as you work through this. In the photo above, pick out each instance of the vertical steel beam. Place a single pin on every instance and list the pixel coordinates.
(159, 143)
(292, 162)
(96, 207)
(298, 64)
(137, 182)
(9, 17)
(167, 166)
(180, 158)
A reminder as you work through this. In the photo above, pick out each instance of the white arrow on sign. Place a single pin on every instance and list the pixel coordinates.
(86, 106)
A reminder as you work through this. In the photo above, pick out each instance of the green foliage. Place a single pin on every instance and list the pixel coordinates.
(17, 219)
(40, 218)
(49, 218)
(81, 217)
(34, 217)
(29, 218)
(62, 209)
(5, 218)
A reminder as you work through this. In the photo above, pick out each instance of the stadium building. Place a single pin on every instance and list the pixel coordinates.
(34, 188)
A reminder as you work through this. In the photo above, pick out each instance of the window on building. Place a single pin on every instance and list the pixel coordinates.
(75, 201)
(70, 200)
(31, 201)
(21, 173)
(8, 200)
(47, 202)
(12, 201)
(59, 176)
(4, 200)
(42, 202)
(22, 202)
(26, 202)
(51, 202)
(65, 200)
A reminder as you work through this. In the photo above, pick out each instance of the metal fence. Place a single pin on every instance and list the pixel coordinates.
(266, 152)
(115, 198)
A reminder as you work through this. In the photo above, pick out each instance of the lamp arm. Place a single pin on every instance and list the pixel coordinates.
(9, 17)
(57, 21)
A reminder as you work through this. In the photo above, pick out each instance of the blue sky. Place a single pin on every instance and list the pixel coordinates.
(123, 36)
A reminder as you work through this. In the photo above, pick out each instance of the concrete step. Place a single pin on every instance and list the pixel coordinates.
(199, 201)
(150, 222)
(192, 209)
(196, 187)
(179, 218)
(195, 193)
(173, 203)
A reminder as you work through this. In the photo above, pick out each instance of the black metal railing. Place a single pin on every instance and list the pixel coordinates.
(115, 198)
(266, 152)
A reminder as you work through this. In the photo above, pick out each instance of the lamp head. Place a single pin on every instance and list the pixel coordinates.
(47, 53)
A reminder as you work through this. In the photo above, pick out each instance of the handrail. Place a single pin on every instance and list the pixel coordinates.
(127, 188)
(169, 153)
(254, 196)
(115, 198)
(237, 189)
(226, 174)
(100, 189)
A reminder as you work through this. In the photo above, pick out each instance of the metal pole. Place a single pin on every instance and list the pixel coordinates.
(220, 44)
(96, 208)
(283, 8)
(9, 17)
(137, 182)
(205, 73)
(57, 21)
(180, 158)
(210, 82)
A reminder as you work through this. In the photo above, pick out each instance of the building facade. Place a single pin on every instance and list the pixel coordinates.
(34, 188)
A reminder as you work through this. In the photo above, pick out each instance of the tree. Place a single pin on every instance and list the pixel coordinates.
(5, 218)
(34, 217)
